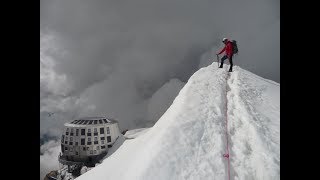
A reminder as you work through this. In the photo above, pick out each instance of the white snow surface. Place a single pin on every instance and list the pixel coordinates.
(131, 134)
(189, 140)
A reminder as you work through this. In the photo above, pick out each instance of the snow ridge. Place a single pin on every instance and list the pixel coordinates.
(189, 140)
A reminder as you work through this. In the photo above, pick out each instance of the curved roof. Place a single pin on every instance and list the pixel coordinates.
(91, 121)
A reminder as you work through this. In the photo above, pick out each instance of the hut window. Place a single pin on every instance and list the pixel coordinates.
(100, 121)
(77, 132)
(82, 141)
(108, 130)
(83, 132)
(108, 138)
(101, 130)
(102, 138)
(103, 147)
(90, 122)
(71, 143)
(95, 121)
(71, 133)
(89, 132)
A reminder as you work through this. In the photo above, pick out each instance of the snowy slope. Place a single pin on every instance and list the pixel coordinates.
(188, 141)
(131, 134)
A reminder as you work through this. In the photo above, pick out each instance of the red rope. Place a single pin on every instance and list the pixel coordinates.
(226, 155)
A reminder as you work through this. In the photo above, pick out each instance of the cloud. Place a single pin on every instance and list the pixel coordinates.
(114, 58)
(163, 98)
(49, 157)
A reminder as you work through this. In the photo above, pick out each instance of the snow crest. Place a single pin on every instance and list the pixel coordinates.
(188, 141)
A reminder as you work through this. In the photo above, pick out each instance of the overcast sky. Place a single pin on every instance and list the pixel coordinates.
(128, 59)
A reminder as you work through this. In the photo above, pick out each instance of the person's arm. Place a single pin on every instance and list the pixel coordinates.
(222, 50)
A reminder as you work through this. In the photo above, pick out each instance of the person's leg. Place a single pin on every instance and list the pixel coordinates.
(222, 60)
(231, 63)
